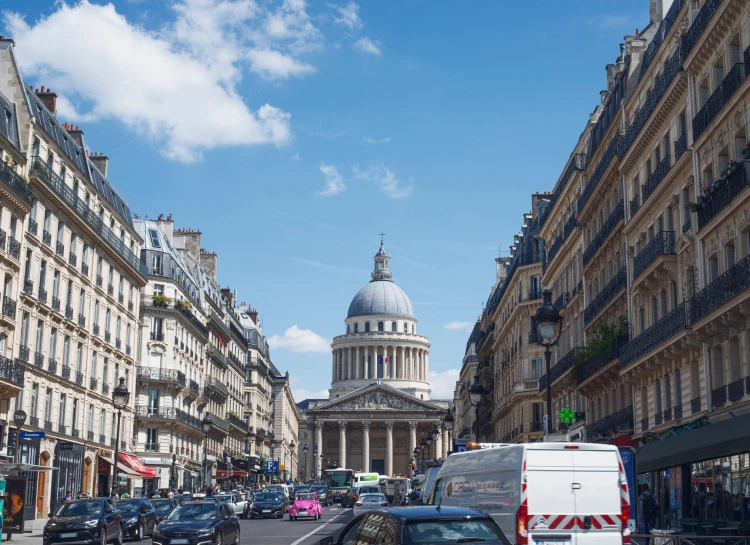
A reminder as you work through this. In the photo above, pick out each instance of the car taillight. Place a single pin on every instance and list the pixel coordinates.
(522, 529)
(384, 504)
(358, 504)
(625, 517)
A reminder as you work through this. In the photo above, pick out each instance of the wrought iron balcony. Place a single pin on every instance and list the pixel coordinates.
(219, 423)
(40, 168)
(217, 385)
(724, 288)
(102, 439)
(69, 312)
(9, 308)
(130, 306)
(157, 336)
(164, 375)
(90, 435)
(84, 269)
(34, 421)
(28, 286)
(81, 320)
(11, 371)
(48, 425)
(118, 342)
(3, 238)
(14, 248)
(23, 353)
(657, 419)
(194, 386)
(39, 359)
(596, 176)
(719, 396)
(237, 422)
(110, 289)
(561, 301)
(700, 22)
(72, 259)
(75, 433)
(605, 297)
(99, 280)
(60, 248)
(55, 303)
(66, 372)
(62, 428)
(96, 328)
(42, 295)
(736, 390)
(600, 360)
(51, 366)
(687, 225)
(656, 177)
(644, 424)
(695, 405)
(663, 243)
(105, 388)
(112, 442)
(723, 194)
(667, 327)
(167, 413)
(47, 237)
(562, 366)
(127, 349)
(678, 412)
(93, 383)
(606, 230)
(635, 204)
(120, 298)
(718, 99)
(107, 336)
(611, 424)
(13, 180)
(79, 378)
(680, 146)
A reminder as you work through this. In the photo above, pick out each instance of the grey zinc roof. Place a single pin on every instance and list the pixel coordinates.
(381, 297)
(9, 122)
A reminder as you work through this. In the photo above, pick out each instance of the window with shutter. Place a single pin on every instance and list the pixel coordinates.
(718, 76)
(657, 391)
(713, 269)
(729, 256)
(703, 96)
(677, 388)
(734, 54)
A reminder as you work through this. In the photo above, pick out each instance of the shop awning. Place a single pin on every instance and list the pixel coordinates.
(225, 474)
(136, 465)
(693, 445)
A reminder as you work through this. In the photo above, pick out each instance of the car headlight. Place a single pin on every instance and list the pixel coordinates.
(91, 524)
(206, 532)
(132, 520)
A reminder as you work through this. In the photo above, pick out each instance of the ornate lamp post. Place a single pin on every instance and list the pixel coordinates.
(290, 471)
(206, 424)
(305, 450)
(173, 474)
(448, 422)
(422, 447)
(120, 397)
(434, 434)
(475, 398)
(549, 324)
(416, 459)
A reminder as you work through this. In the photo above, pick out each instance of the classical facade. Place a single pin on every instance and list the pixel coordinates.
(464, 413)
(379, 406)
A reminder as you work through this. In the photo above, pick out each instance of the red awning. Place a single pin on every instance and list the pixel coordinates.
(136, 465)
(225, 474)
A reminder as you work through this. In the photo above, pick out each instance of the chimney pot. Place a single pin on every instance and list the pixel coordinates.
(42, 88)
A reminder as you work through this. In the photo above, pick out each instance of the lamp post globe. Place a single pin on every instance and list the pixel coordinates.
(549, 327)
(305, 449)
(476, 391)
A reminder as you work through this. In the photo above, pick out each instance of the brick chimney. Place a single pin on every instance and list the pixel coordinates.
(76, 134)
(166, 226)
(48, 98)
(189, 240)
(209, 260)
(100, 161)
(253, 315)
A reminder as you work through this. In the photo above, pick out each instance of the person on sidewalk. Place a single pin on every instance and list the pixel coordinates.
(649, 508)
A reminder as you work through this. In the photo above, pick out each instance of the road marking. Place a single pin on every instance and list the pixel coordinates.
(318, 529)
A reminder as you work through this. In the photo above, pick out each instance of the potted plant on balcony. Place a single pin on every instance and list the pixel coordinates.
(182, 304)
(161, 300)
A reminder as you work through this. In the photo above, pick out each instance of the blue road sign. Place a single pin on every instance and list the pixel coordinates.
(32, 434)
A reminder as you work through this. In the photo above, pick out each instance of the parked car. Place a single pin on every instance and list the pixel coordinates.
(269, 504)
(353, 494)
(410, 525)
(237, 502)
(305, 505)
(324, 494)
(368, 502)
(279, 488)
(163, 507)
(138, 517)
(94, 521)
(199, 521)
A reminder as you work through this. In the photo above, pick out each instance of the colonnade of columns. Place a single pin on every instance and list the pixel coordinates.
(361, 362)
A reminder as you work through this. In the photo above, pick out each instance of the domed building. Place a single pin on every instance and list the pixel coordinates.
(379, 404)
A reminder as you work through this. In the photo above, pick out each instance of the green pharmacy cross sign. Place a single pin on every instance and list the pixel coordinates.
(566, 415)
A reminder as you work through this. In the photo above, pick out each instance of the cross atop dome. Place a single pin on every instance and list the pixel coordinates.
(381, 271)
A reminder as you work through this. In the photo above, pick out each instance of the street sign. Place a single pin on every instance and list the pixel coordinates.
(459, 445)
(32, 434)
(19, 417)
(628, 462)
(566, 415)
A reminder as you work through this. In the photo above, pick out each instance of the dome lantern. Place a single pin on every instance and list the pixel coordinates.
(382, 259)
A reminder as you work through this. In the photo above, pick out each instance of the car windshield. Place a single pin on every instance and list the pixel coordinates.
(450, 531)
(131, 506)
(320, 489)
(303, 490)
(267, 497)
(305, 497)
(80, 508)
(161, 506)
(224, 499)
(194, 511)
(372, 498)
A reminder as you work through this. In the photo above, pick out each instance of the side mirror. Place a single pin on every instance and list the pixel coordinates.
(51, 514)
(328, 540)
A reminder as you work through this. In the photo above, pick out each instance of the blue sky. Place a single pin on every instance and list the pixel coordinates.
(292, 133)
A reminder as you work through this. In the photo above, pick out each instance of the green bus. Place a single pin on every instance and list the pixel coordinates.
(339, 481)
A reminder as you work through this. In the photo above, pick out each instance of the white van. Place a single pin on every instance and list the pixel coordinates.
(361, 477)
(561, 493)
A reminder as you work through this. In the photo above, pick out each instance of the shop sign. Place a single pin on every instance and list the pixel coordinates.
(104, 453)
(65, 446)
(32, 434)
(14, 504)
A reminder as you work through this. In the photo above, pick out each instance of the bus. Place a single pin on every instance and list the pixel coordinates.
(366, 477)
(339, 481)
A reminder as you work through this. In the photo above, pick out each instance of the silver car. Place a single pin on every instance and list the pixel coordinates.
(369, 502)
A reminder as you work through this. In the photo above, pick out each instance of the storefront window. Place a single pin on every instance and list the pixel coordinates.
(720, 489)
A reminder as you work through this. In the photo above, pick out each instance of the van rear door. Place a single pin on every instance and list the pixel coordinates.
(597, 496)
(551, 514)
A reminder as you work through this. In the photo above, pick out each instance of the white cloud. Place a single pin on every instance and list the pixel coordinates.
(275, 65)
(366, 45)
(443, 384)
(334, 181)
(348, 16)
(290, 24)
(371, 140)
(459, 326)
(300, 340)
(300, 394)
(384, 179)
(296, 157)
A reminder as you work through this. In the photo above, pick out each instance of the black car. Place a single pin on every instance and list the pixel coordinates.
(324, 494)
(413, 525)
(94, 521)
(163, 507)
(199, 522)
(269, 504)
(138, 517)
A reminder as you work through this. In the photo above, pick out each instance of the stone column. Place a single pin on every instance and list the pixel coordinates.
(411, 364)
(426, 365)
(446, 446)
(364, 368)
(333, 366)
(317, 452)
(389, 447)
(349, 354)
(374, 370)
(342, 443)
(356, 364)
(412, 436)
(402, 363)
(366, 445)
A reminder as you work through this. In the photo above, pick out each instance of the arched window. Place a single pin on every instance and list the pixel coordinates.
(406, 327)
(356, 328)
(393, 327)
(380, 326)
(367, 327)
(413, 329)
(347, 329)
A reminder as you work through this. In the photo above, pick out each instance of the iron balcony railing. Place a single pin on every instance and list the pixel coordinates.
(33, 227)
(577, 162)
(11, 371)
(723, 194)
(724, 288)
(39, 167)
(662, 244)
(167, 413)
(604, 233)
(214, 353)
(719, 396)
(23, 353)
(238, 422)
(561, 301)
(718, 99)
(166, 375)
(105, 388)
(55, 303)
(60, 248)
(42, 295)
(736, 390)
(680, 146)
(604, 297)
(28, 286)
(695, 405)
(562, 366)
(93, 383)
(219, 422)
(157, 336)
(148, 303)
(568, 228)
(47, 237)
(602, 358)
(635, 204)
(194, 386)
(3, 237)
(9, 308)
(72, 259)
(611, 424)
(51, 366)
(13, 180)
(519, 260)
(596, 176)
(668, 326)
(84, 269)
(700, 22)
(14, 248)
(658, 39)
(216, 384)
(687, 225)
(656, 177)
(39, 359)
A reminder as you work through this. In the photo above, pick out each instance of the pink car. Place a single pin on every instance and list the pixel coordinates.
(305, 505)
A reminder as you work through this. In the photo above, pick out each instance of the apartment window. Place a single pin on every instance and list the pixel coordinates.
(154, 238)
(158, 289)
(33, 406)
(60, 232)
(102, 422)
(729, 256)
(536, 368)
(156, 326)
(61, 410)
(685, 200)
(99, 266)
(667, 392)
(56, 285)
(81, 301)
(380, 326)
(25, 329)
(93, 364)
(42, 274)
(152, 439)
(53, 344)
(79, 358)
(713, 269)
(107, 319)
(367, 327)
(677, 388)
(356, 328)
(91, 418)
(66, 351)
(105, 370)
(48, 405)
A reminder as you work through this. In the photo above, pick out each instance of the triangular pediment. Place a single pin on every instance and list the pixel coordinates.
(378, 397)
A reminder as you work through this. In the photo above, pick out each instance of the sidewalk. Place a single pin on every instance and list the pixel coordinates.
(33, 533)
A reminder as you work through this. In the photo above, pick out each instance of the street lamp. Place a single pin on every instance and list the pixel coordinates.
(305, 450)
(448, 422)
(435, 433)
(120, 397)
(549, 326)
(173, 475)
(290, 471)
(476, 391)
(206, 424)
(422, 447)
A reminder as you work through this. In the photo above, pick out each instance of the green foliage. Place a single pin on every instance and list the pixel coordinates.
(600, 341)
(182, 304)
(160, 300)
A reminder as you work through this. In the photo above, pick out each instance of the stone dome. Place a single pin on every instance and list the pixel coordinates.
(381, 297)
